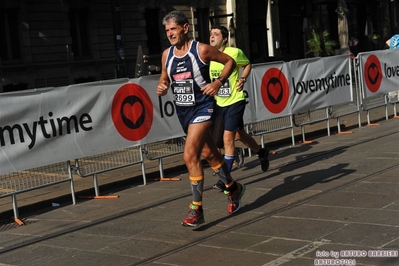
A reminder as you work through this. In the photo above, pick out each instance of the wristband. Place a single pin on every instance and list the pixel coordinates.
(244, 79)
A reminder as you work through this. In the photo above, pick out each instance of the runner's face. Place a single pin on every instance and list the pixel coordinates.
(216, 38)
(175, 32)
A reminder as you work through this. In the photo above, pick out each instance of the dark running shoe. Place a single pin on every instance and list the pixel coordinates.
(235, 198)
(195, 216)
(239, 157)
(219, 185)
(264, 161)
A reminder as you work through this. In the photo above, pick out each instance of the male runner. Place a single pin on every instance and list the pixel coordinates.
(185, 69)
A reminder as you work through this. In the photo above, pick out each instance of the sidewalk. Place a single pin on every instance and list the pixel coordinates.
(339, 194)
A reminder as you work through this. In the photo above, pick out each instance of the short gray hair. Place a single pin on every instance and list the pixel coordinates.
(177, 17)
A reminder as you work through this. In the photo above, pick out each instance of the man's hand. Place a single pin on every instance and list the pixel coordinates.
(162, 88)
(240, 84)
(211, 88)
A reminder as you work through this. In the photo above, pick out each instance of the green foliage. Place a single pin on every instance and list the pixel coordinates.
(314, 44)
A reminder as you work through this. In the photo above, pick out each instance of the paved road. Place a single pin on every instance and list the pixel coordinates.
(335, 200)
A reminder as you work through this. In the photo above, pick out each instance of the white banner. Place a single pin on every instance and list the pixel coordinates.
(51, 125)
(379, 72)
(268, 92)
(320, 82)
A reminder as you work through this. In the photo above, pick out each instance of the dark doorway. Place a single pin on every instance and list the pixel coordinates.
(152, 30)
(257, 31)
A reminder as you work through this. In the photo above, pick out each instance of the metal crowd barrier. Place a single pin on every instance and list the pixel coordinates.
(393, 98)
(96, 164)
(23, 181)
(310, 117)
(371, 103)
(161, 149)
(341, 110)
(270, 125)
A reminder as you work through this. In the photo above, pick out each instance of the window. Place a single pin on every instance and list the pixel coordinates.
(152, 29)
(79, 32)
(9, 42)
(202, 16)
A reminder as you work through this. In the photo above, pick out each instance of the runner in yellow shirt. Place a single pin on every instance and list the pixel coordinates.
(229, 124)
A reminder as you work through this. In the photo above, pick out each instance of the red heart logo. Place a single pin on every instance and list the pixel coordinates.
(275, 90)
(133, 112)
(373, 72)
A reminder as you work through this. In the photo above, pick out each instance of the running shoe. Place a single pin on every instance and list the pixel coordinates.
(195, 216)
(264, 161)
(219, 185)
(239, 157)
(235, 198)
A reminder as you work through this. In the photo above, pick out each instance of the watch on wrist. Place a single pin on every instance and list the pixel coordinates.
(222, 80)
(244, 79)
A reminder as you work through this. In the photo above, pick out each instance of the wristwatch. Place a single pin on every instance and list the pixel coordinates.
(222, 80)
(244, 79)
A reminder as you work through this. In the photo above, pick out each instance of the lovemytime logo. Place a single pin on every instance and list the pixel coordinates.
(48, 127)
(372, 73)
(331, 81)
(132, 112)
(274, 90)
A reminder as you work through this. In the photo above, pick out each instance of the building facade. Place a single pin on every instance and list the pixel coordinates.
(50, 43)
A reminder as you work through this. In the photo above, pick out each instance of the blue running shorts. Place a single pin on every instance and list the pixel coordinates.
(195, 114)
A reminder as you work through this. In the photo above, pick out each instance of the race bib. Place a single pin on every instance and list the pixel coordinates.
(183, 91)
(225, 90)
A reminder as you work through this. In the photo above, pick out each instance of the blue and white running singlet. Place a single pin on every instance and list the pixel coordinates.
(188, 74)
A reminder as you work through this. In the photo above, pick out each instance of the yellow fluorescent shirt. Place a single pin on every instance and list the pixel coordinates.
(216, 68)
